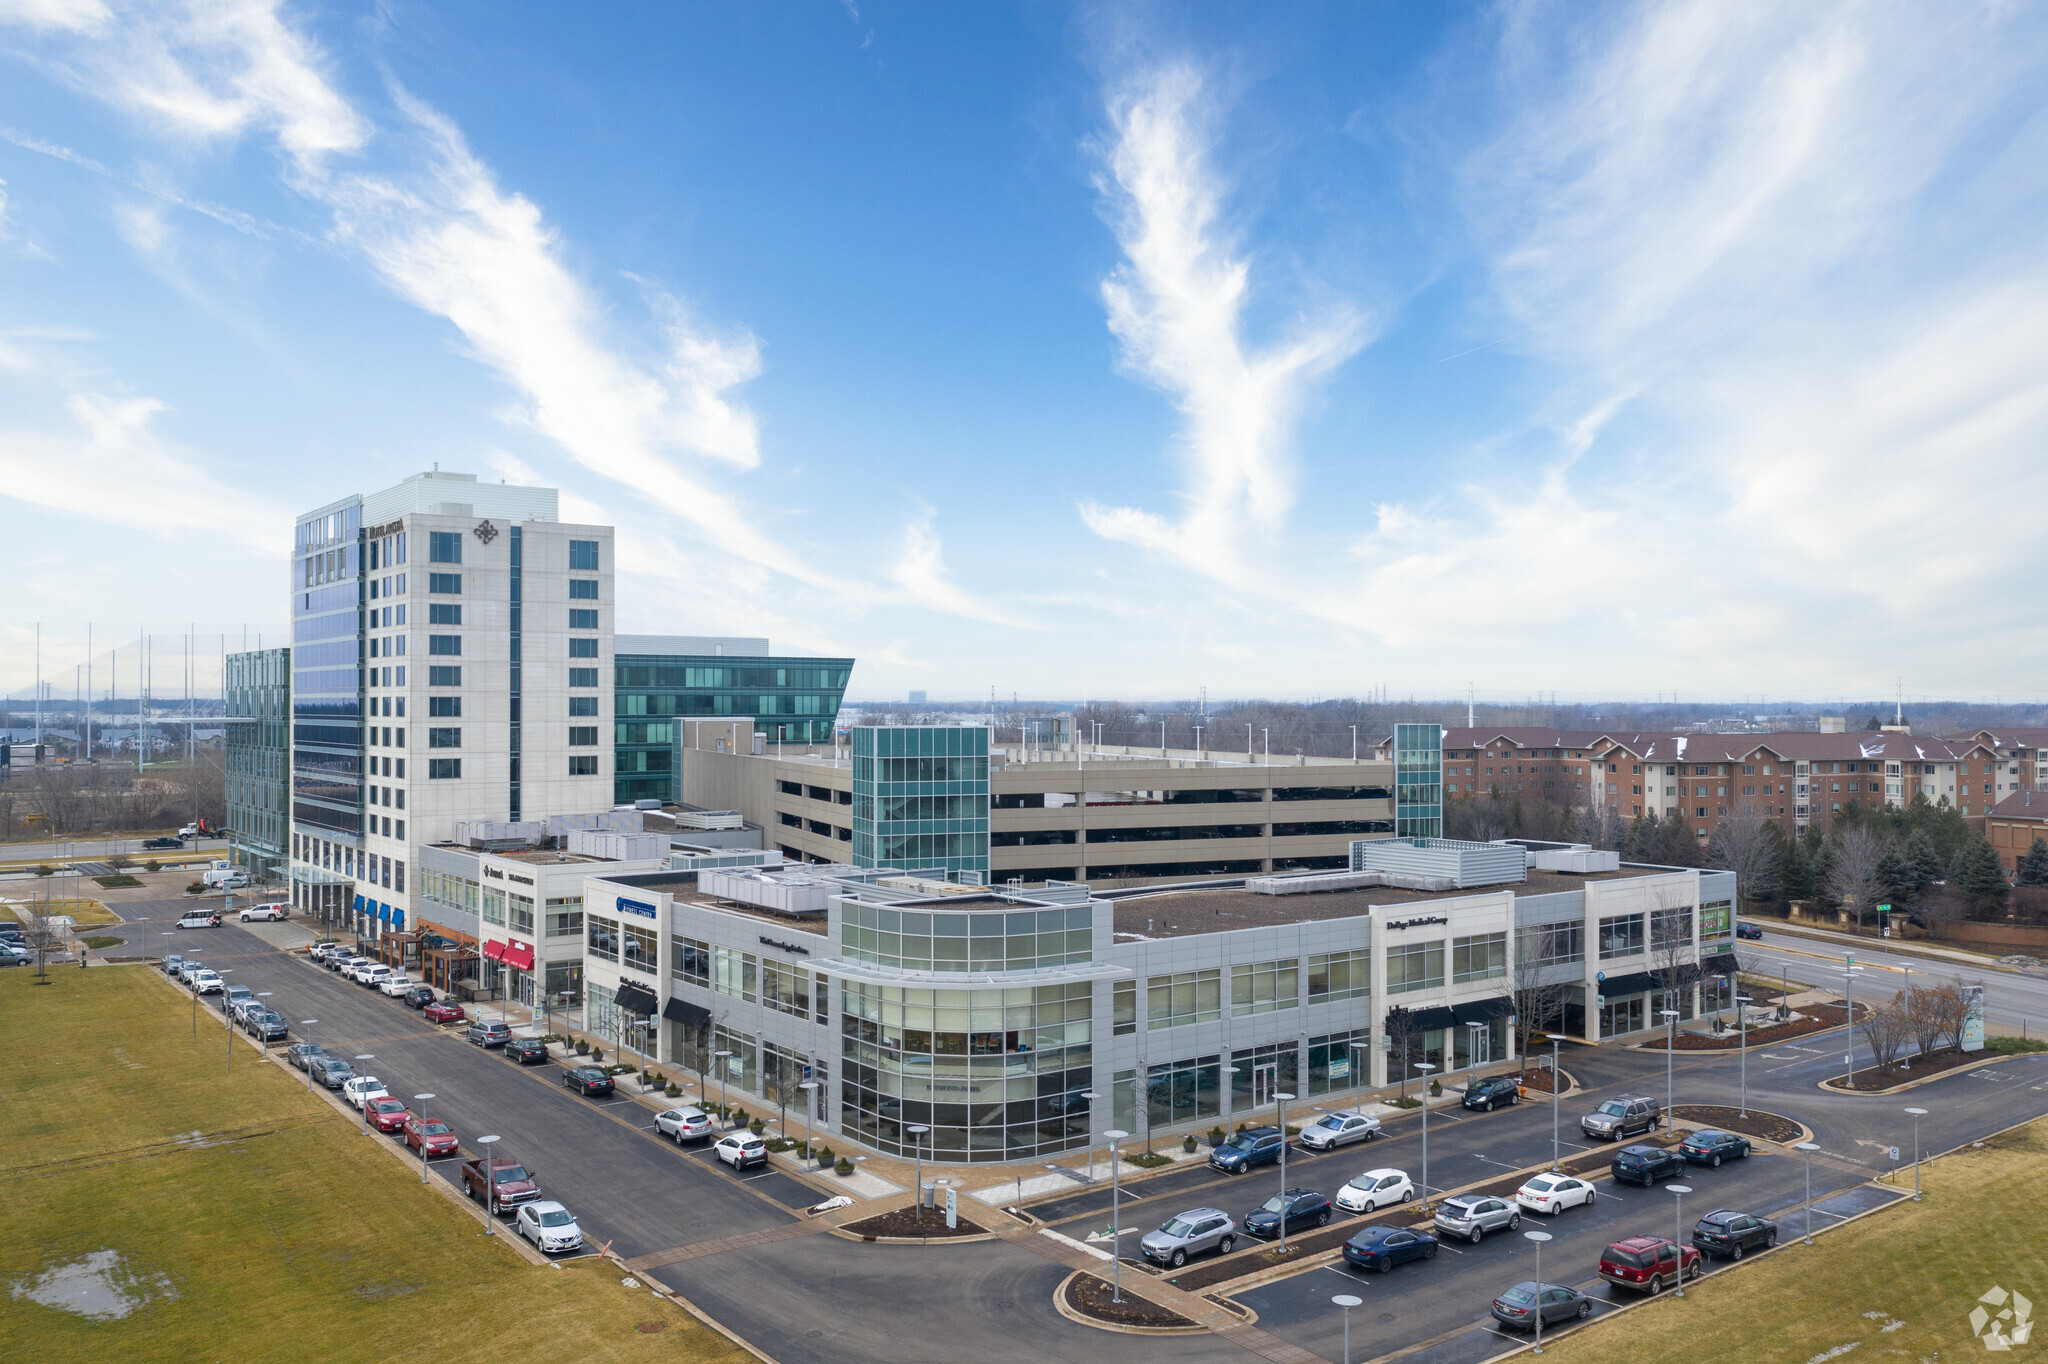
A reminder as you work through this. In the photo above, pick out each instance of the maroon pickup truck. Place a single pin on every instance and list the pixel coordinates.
(507, 1185)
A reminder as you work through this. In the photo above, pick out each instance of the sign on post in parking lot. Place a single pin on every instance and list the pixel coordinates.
(952, 1207)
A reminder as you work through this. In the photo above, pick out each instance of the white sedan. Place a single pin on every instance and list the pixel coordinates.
(395, 984)
(362, 1089)
(1376, 1189)
(1332, 1130)
(550, 1226)
(1552, 1194)
(684, 1124)
(264, 913)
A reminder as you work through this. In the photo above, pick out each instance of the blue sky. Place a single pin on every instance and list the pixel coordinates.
(1109, 350)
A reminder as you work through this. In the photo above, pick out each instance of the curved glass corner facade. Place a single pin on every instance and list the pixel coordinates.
(984, 940)
(996, 1074)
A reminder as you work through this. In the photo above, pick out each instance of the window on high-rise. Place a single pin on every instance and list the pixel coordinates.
(444, 644)
(582, 589)
(447, 706)
(582, 705)
(583, 677)
(580, 619)
(443, 769)
(444, 546)
(583, 766)
(445, 583)
(583, 556)
(583, 736)
(449, 677)
(583, 648)
(444, 613)
(450, 737)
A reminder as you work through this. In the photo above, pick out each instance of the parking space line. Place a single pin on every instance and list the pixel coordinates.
(1346, 1274)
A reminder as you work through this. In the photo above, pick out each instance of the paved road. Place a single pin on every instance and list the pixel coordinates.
(2010, 997)
(94, 849)
(819, 1298)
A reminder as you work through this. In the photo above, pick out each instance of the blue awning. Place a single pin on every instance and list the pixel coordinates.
(398, 918)
(384, 911)
(359, 904)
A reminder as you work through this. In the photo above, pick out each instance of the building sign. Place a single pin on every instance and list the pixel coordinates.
(515, 876)
(1973, 1026)
(635, 907)
(1418, 923)
(1716, 921)
(1340, 1067)
(785, 946)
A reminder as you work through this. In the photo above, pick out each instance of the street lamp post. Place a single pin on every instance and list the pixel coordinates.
(719, 1058)
(1670, 1046)
(1809, 1148)
(1116, 1225)
(1678, 1193)
(917, 1135)
(1918, 1114)
(421, 1117)
(1556, 1086)
(365, 1104)
(1472, 1052)
(1742, 1018)
(1280, 1102)
(1539, 1237)
(306, 1025)
(1849, 974)
(227, 1026)
(1090, 1095)
(490, 1183)
(810, 1089)
(1347, 1302)
(1425, 1067)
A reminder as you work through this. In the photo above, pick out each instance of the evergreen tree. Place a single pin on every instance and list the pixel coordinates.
(1795, 872)
(2033, 868)
(1923, 864)
(1895, 876)
(1980, 872)
(1678, 846)
(1641, 844)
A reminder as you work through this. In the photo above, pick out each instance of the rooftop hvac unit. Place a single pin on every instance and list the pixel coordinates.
(1580, 861)
(620, 847)
(622, 821)
(780, 894)
(709, 819)
(487, 833)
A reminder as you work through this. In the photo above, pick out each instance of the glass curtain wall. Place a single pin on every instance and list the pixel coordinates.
(1418, 781)
(790, 700)
(920, 798)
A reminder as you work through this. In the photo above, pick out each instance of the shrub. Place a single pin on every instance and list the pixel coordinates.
(1188, 1143)
(843, 1168)
(597, 1055)
(824, 1154)
(582, 1047)
(778, 1145)
(674, 1090)
(1217, 1136)
(196, 888)
(150, 865)
(1147, 1160)
(1436, 1089)
(47, 870)
(1244, 1127)
(739, 1116)
(757, 1127)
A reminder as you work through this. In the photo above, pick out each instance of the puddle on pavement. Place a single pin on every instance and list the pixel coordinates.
(102, 1286)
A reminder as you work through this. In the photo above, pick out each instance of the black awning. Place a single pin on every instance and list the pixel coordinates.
(1721, 964)
(1621, 987)
(636, 999)
(688, 1014)
(1485, 1010)
(1431, 1018)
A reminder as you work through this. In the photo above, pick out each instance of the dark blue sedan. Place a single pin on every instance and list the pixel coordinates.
(1712, 1147)
(1303, 1208)
(1382, 1248)
(1253, 1146)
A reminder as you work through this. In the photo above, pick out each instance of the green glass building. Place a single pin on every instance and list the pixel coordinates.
(920, 798)
(659, 679)
(259, 706)
(1418, 781)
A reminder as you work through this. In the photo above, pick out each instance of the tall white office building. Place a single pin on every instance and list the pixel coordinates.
(451, 663)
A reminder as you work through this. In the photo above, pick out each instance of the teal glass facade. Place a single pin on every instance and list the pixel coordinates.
(920, 798)
(790, 700)
(1418, 781)
(259, 707)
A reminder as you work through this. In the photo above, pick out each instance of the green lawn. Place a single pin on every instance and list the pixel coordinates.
(1897, 1285)
(279, 1234)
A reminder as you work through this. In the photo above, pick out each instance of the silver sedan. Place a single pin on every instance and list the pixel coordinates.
(1332, 1130)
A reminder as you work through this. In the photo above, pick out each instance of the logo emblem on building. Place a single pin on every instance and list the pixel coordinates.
(2002, 1320)
(485, 531)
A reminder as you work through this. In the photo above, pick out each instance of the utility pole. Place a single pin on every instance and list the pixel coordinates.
(1468, 707)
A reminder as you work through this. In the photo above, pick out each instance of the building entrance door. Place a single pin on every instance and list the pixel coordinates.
(1265, 1083)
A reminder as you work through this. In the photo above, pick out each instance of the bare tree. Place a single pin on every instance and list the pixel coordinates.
(1886, 1029)
(1401, 1031)
(1939, 906)
(1536, 1003)
(1674, 955)
(1950, 1006)
(57, 797)
(1925, 1016)
(1748, 844)
(1855, 876)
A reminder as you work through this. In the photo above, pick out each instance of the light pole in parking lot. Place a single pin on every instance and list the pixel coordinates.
(226, 1024)
(1678, 1193)
(490, 1182)
(1425, 1067)
(1091, 1096)
(1116, 1224)
(1347, 1302)
(306, 1031)
(917, 1135)
(1808, 1148)
(365, 1104)
(1742, 1018)
(1556, 1087)
(810, 1089)
(1849, 974)
(421, 1116)
(1918, 1114)
(1280, 1100)
(1472, 1053)
(1539, 1237)
(1670, 1046)
(719, 1058)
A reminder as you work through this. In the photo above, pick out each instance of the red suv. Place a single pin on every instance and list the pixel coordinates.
(1648, 1263)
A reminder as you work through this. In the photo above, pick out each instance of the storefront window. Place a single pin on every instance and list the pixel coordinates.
(1332, 1060)
(1258, 1073)
(1184, 1091)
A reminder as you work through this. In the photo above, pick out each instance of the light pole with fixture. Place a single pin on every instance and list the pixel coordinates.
(1425, 1067)
(421, 1118)
(1918, 1114)
(1091, 1096)
(1556, 1087)
(1670, 1046)
(227, 1026)
(1116, 1226)
(1280, 1101)
(1849, 974)
(917, 1135)
(1539, 1237)
(1472, 1053)
(1809, 1148)
(365, 1104)
(1345, 1300)
(810, 1089)
(490, 1182)
(720, 1057)
(1742, 1018)
(1678, 1193)
(307, 1025)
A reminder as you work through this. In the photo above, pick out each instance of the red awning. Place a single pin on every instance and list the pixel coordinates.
(495, 950)
(519, 955)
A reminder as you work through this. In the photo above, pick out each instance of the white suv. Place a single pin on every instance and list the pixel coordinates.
(265, 913)
(395, 984)
(372, 973)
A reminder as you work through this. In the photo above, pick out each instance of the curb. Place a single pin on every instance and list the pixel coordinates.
(1059, 1303)
(1951, 1072)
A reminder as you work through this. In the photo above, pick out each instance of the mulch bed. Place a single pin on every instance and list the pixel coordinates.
(912, 1222)
(1764, 1126)
(1091, 1297)
(1207, 1274)
(1870, 1078)
(1537, 1081)
(1819, 1018)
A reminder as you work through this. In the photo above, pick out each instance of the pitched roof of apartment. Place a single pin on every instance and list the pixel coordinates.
(1809, 745)
(2022, 805)
(2010, 738)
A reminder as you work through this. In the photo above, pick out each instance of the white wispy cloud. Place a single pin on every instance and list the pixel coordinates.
(1176, 306)
(920, 571)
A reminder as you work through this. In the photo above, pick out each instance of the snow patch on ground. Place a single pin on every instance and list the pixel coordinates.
(100, 1287)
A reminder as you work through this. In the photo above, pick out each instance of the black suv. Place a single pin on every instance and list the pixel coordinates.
(418, 997)
(527, 1051)
(1488, 1095)
(1645, 1165)
(1723, 1232)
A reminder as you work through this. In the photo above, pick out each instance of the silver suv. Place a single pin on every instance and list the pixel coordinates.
(1191, 1233)
(489, 1033)
(1623, 1117)
(1473, 1215)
